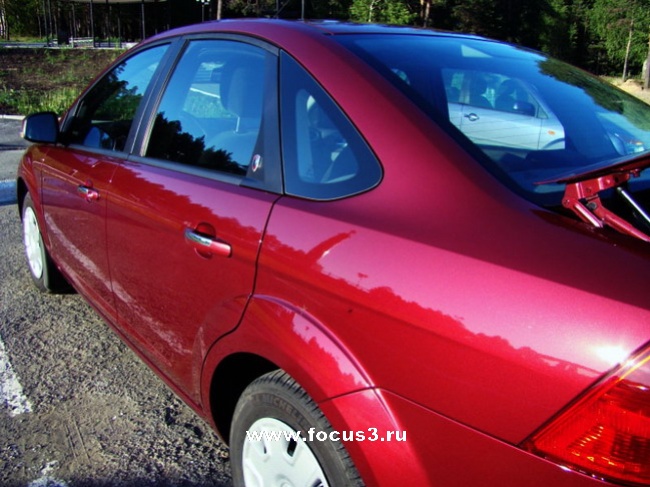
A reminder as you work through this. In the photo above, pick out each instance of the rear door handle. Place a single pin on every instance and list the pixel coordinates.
(89, 194)
(206, 245)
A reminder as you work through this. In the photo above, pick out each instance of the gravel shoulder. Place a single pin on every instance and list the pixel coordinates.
(99, 416)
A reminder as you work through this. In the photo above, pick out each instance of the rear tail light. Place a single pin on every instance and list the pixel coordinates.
(606, 433)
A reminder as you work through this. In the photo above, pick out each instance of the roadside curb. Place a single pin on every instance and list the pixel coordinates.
(18, 118)
(7, 192)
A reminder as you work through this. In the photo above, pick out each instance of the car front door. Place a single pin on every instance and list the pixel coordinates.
(76, 178)
(186, 222)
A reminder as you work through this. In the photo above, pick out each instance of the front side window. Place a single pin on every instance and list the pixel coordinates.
(324, 156)
(211, 112)
(104, 116)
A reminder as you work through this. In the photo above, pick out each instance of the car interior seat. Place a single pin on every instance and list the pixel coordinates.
(477, 98)
(241, 94)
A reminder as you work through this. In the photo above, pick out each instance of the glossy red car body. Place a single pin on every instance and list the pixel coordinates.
(438, 302)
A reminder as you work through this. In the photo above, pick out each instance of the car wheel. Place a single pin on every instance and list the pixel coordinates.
(43, 271)
(264, 450)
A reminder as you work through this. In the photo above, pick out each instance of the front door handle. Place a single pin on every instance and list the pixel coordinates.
(89, 194)
(206, 245)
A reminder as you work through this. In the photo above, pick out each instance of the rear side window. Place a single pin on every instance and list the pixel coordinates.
(324, 156)
(104, 116)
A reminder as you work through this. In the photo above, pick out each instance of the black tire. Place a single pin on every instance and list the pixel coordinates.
(44, 272)
(276, 399)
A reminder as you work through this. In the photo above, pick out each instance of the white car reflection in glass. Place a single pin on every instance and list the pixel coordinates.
(495, 110)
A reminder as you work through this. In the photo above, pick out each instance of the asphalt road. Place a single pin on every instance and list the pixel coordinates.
(77, 407)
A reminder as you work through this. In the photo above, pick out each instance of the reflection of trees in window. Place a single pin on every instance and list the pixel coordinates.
(104, 116)
(123, 103)
(221, 160)
(112, 98)
(110, 105)
(602, 94)
(171, 143)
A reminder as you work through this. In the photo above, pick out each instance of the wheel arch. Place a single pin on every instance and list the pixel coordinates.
(275, 335)
(25, 185)
(231, 377)
(27, 181)
(21, 192)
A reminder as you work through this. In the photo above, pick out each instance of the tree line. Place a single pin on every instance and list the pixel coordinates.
(603, 36)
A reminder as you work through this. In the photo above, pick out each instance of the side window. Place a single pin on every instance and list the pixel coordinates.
(210, 115)
(511, 95)
(324, 156)
(104, 116)
(491, 90)
(474, 88)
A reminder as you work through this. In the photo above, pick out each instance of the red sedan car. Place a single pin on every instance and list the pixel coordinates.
(364, 254)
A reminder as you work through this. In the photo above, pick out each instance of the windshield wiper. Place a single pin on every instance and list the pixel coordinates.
(583, 190)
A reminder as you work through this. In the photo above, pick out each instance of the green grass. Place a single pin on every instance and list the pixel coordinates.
(35, 80)
(23, 101)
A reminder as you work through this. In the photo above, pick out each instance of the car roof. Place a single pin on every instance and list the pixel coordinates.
(267, 27)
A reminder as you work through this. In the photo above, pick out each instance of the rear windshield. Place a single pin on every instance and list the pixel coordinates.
(532, 118)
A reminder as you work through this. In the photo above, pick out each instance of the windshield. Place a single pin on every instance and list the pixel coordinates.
(532, 117)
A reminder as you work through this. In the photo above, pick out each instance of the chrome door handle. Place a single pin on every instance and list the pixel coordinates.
(205, 244)
(472, 117)
(89, 194)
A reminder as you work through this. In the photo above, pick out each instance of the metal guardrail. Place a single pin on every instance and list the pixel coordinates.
(82, 42)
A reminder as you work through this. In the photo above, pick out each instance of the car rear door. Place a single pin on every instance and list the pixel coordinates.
(76, 178)
(187, 218)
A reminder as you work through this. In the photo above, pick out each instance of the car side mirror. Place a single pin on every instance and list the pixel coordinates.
(41, 127)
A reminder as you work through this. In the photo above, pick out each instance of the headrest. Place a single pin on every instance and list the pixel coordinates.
(242, 86)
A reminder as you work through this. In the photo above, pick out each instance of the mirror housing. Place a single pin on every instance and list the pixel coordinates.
(41, 127)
